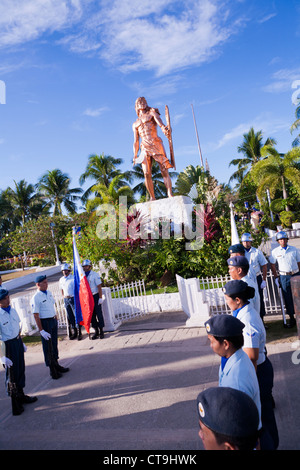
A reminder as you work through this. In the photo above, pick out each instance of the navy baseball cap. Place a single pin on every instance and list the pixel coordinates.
(238, 261)
(40, 278)
(235, 287)
(237, 248)
(228, 411)
(224, 325)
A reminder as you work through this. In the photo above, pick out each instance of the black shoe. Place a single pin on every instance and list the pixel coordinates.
(79, 337)
(101, 333)
(61, 368)
(28, 399)
(17, 408)
(54, 373)
(291, 323)
(96, 334)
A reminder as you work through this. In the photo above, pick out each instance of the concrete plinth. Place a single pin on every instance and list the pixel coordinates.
(176, 213)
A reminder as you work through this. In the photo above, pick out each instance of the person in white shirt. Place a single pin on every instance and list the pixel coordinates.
(12, 354)
(96, 288)
(66, 284)
(288, 260)
(44, 312)
(259, 265)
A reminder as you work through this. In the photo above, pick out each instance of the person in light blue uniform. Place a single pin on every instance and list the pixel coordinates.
(237, 296)
(288, 260)
(66, 284)
(42, 305)
(228, 419)
(95, 284)
(12, 352)
(259, 265)
(238, 267)
(239, 250)
(236, 370)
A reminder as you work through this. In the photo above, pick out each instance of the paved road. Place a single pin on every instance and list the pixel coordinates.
(134, 390)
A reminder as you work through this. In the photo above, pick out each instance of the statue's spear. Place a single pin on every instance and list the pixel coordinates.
(170, 137)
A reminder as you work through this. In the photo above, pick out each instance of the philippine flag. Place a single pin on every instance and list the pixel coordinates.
(83, 297)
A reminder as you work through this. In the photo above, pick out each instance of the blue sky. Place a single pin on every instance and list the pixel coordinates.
(74, 68)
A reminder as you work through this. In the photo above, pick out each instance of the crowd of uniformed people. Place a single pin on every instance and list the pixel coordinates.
(239, 413)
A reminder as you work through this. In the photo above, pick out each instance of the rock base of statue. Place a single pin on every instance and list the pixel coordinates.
(169, 216)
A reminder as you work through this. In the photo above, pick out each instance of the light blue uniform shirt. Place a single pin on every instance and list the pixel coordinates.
(254, 331)
(239, 373)
(66, 284)
(287, 259)
(94, 281)
(43, 304)
(256, 259)
(9, 324)
(255, 302)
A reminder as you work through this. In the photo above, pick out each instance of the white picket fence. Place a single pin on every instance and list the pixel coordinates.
(203, 297)
(199, 298)
(122, 303)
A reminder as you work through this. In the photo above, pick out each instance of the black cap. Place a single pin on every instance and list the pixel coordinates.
(238, 261)
(40, 278)
(224, 325)
(228, 411)
(235, 287)
(237, 248)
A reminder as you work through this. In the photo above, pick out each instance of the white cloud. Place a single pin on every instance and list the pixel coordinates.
(158, 39)
(267, 18)
(95, 112)
(282, 80)
(159, 35)
(265, 122)
(164, 36)
(25, 20)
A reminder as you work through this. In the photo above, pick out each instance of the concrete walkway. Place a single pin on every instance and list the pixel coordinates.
(134, 390)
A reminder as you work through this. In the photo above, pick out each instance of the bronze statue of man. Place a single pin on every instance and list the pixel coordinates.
(145, 128)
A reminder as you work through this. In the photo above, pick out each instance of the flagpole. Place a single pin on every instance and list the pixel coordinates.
(234, 232)
(202, 164)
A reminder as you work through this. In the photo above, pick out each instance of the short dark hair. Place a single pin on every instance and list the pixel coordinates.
(236, 341)
(241, 443)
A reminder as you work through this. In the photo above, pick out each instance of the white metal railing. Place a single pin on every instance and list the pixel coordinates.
(129, 300)
(214, 296)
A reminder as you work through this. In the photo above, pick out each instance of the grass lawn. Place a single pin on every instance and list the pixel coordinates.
(15, 274)
(277, 333)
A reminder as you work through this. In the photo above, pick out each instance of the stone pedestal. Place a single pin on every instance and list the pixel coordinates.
(295, 285)
(175, 215)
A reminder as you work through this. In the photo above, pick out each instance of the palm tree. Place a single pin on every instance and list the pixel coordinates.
(54, 187)
(275, 170)
(160, 190)
(251, 149)
(110, 194)
(102, 169)
(198, 184)
(25, 203)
